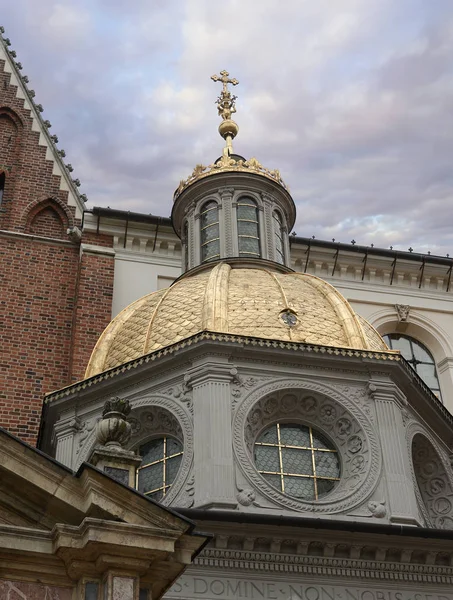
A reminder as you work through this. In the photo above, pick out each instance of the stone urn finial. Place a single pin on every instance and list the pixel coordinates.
(113, 430)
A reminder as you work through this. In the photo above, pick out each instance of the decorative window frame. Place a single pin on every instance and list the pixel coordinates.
(283, 234)
(198, 214)
(330, 412)
(143, 431)
(238, 194)
(414, 429)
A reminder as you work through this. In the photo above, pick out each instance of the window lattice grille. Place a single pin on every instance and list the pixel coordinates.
(210, 231)
(297, 460)
(248, 228)
(160, 464)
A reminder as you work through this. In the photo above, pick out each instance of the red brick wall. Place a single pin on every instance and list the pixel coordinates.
(55, 301)
(38, 285)
(93, 311)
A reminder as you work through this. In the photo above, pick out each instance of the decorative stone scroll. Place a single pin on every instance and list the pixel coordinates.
(320, 406)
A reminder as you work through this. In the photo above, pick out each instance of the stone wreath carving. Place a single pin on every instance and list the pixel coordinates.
(152, 415)
(324, 408)
(434, 485)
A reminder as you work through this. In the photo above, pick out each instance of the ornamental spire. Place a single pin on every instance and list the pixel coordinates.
(226, 106)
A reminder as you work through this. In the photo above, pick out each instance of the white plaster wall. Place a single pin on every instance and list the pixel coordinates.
(135, 277)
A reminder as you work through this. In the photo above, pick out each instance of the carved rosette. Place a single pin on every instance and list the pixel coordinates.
(322, 407)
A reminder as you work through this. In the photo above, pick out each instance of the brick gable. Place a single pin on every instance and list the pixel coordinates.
(55, 299)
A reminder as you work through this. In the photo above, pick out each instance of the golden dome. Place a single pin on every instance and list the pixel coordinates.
(238, 300)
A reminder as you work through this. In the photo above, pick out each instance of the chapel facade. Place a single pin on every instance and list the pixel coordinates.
(313, 444)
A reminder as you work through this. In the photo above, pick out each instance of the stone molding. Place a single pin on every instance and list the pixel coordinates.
(329, 411)
(324, 566)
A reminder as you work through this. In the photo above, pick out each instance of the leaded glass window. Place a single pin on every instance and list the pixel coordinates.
(419, 358)
(210, 231)
(278, 238)
(297, 460)
(161, 459)
(248, 228)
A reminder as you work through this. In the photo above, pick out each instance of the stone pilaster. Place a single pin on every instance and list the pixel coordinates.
(229, 224)
(268, 242)
(401, 494)
(213, 441)
(63, 437)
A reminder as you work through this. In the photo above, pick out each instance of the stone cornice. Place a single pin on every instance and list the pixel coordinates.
(321, 566)
(243, 341)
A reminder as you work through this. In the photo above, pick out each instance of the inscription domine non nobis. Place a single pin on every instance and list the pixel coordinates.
(246, 589)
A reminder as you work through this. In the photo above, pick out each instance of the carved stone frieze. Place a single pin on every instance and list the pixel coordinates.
(182, 392)
(324, 408)
(243, 384)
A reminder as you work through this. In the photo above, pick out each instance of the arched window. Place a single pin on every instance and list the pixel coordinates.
(210, 231)
(278, 238)
(2, 186)
(248, 228)
(161, 459)
(418, 356)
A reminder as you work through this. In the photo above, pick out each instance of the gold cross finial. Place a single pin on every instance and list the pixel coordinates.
(224, 78)
(226, 106)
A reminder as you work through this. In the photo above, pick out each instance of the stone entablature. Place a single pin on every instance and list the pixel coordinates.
(372, 269)
(302, 563)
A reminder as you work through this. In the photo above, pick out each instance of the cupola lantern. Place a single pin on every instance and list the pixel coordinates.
(233, 208)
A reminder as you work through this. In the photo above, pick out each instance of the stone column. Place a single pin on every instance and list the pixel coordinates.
(401, 494)
(213, 440)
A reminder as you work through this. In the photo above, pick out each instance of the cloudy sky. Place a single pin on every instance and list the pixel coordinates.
(351, 99)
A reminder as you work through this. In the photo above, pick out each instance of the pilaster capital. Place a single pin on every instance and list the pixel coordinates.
(66, 426)
(386, 390)
(210, 371)
(226, 192)
(445, 364)
(266, 198)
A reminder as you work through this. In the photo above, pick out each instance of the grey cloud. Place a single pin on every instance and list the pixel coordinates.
(352, 104)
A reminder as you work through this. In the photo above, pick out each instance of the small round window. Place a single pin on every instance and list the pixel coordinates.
(161, 459)
(297, 460)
